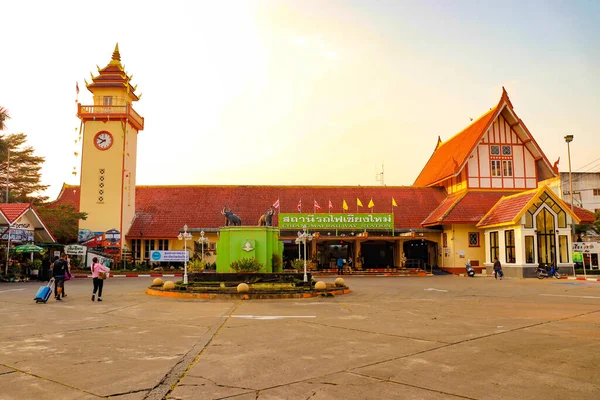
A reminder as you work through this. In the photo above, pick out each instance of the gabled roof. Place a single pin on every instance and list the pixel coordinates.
(509, 210)
(451, 156)
(12, 211)
(464, 208)
(161, 211)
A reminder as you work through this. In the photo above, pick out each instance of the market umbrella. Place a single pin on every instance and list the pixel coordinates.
(28, 248)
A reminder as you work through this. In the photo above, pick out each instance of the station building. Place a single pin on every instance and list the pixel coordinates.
(481, 195)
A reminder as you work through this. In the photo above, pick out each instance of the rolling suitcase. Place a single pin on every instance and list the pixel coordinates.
(43, 293)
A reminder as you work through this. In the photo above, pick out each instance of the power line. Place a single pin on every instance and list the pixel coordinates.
(598, 159)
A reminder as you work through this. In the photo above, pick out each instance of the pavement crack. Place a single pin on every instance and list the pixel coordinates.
(170, 381)
(374, 333)
(126, 393)
(7, 372)
(414, 386)
(51, 380)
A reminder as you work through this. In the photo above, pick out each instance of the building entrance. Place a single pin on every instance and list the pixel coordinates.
(420, 253)
(377, 254)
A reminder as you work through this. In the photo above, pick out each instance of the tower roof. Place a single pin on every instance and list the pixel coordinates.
(113, 76)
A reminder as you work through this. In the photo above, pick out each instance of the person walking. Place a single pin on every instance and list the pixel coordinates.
(65, 260)
(340, 266)
(99, 273)
(58, 272)
(497, 269)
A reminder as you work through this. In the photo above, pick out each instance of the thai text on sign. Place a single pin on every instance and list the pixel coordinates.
(169, 255)
(337, 221)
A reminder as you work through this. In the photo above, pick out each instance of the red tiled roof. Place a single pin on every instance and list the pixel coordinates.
(69, 194)
(508, 208)
(586, 216)
(12, 211)
(449, 156)
(466, 208)
(437, 216)
(162, 210)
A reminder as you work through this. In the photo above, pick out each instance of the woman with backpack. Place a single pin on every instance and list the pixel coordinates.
(99, 274)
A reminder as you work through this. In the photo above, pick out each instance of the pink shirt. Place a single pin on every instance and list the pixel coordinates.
(97, 268)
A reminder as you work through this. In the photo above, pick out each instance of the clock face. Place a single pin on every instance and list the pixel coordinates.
(103, 140)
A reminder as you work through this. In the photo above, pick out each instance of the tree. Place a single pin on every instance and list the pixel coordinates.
(3, 117)
(62, 220)
(23, 169)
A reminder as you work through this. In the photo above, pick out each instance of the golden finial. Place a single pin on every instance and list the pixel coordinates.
(97, 67)
(86, 82)
(92, 75)
(135, 88)
(140, 96)
(116, 56)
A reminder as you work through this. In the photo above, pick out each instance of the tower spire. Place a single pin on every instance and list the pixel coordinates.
(116, 56)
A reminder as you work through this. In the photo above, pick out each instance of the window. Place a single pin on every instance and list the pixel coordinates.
(473, 239)
(444, 239)
(148, 247)
(507, 168)
(529, 250)
(596, 192)
(506, 150)
(136, 249)
(495, 150)
(509, 243)
(163, 244)
(496, 168)
(493, 246)
(563, 249)
(107, 100)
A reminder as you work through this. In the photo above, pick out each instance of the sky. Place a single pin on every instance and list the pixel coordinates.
(302, 92)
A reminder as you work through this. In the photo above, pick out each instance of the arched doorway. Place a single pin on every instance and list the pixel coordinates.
(546, 238)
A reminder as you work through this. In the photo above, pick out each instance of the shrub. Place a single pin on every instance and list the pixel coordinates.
(196, 265)
(246, 265)
(298, 264)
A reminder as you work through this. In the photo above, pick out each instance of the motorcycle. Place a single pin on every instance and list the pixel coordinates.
(543, 272)
(470, 270)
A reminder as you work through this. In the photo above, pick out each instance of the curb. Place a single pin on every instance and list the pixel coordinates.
(133, 276)
(580, 278)
(244, 296)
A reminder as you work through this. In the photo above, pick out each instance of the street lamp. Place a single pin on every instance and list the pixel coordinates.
(569, 139)
(185, 236)
(202, 240)
(302, 238)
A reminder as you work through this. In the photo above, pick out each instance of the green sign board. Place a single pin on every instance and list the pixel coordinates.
(336, 221)
(577, 256)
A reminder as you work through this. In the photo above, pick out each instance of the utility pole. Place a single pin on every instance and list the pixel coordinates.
(7, 170)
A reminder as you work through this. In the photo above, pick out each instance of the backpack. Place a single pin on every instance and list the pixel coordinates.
(58, 267)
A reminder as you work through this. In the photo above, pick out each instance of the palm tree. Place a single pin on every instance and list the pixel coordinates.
(3, 117)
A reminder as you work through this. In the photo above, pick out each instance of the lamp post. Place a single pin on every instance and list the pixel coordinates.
(202, 240)
(569, 139)
(302, 238)
(185, 236)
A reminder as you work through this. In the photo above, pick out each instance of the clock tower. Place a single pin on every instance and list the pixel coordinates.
(108, 160)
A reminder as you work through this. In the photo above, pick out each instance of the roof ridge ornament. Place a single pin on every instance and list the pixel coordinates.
(116, 56)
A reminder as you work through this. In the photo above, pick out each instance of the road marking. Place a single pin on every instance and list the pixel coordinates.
(272, 316)
(437, 290)
(10, 290)
(566, 295)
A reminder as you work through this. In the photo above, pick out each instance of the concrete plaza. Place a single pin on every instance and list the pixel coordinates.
(391, 338)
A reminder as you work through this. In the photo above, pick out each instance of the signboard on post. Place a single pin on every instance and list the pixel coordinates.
(169, 255)
(577, 256)
(75, 250)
